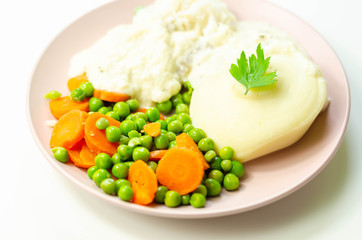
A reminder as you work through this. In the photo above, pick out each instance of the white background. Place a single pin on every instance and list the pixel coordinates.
(36, 202)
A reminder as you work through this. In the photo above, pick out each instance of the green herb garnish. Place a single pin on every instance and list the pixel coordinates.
(252, 74)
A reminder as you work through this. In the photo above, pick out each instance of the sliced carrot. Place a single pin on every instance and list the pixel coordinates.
(74, 151)
(144, 110)
(152, 129)
(143, 181)
(69, 129)
(62, 105)
(95, 138)
(86, 158)
(184, 140)
(110, 96)
(157, 154)
(75, 82)
(180, 170)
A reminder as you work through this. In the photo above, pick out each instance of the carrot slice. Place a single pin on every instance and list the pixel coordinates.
(144, 110)
(69, 129)
(86, 158)
(152, 129)
(96, 139)
(143, 181)
(75, 82)
(180, 170)
(63, 105)
(157, 154)
(184, 140)
(110, 96)
(74, 151)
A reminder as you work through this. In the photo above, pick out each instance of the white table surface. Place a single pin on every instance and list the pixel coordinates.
(39, 203)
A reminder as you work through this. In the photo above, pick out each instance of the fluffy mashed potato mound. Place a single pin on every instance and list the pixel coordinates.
(150, 58)
(173, 41)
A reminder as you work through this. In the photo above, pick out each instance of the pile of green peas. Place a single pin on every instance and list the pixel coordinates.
(135, 145)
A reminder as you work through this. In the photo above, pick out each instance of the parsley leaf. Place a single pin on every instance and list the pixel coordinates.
(252, 74)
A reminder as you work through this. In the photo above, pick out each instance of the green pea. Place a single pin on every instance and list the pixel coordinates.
(237, 168)
(127, 126)
(217, 175)
(206, 144)
(196, 134)
(100, 175)
(122, 109)
(172, 144)
(161, 141)
(226, 165)
(164, 107)
(164, 131)
(53, 95)
(177, 99)
(171, 119)
(184, 118)
(163, 124)
(113, 114)
(124, 140)
(133, 105)
(186, 97)
(129, 163)
(104, 110)
(213, 187)
(120, 182)
(188, 86)
(113, 134)
(187, 128)
(141, 153)
(160, 194)
(61, 154)
(153, 165)
(175, 126)
(153, 114)
(102, 123)
(197, 200)
(103, 160)
(132, 117)
(125, 193)
(231, 182)
(146, 141)
(185, 199)
(182, 108)
(140, 115)
(209, 155)
(140, 123)
(133, 134)
(134, 142)
(120, 170)
(226, 153)
(108, 186)
(95, 104)
(124, 151)
(116, 158)
(201, 189)
(91, 171)
(172, 199)
(77, 95)
(87, 88)
(171, 136)
(216, 163)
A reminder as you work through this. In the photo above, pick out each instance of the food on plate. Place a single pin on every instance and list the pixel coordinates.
(166, 109)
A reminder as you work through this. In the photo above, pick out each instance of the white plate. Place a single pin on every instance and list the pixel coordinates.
(268, 178)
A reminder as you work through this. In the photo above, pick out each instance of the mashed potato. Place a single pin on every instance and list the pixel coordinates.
(173, 41)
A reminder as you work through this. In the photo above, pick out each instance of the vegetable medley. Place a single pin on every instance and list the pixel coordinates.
(138, 154)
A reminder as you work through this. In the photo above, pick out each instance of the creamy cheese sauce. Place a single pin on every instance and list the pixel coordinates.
(173, 41)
